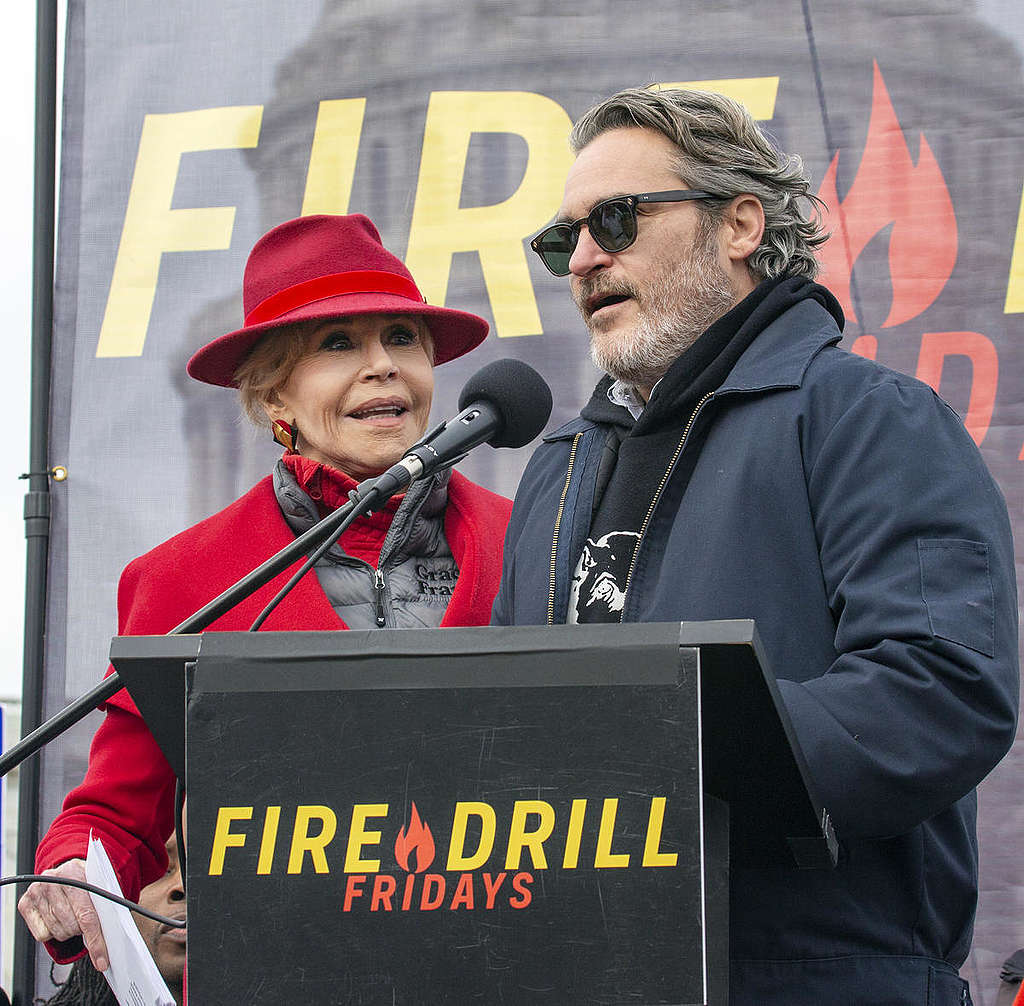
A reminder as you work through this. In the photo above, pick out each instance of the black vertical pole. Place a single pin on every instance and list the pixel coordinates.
(37, 500)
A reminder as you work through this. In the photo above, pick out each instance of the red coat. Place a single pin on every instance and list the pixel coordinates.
(127, 795)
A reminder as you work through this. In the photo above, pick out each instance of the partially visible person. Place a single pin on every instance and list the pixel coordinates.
(336, 356)
(166, 897)
(85, 986)
(1011, 986)
(734, 462)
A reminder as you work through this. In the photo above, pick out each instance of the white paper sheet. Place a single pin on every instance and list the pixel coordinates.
(133, 974)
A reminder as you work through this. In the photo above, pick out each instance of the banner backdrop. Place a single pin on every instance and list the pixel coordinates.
(192, 128)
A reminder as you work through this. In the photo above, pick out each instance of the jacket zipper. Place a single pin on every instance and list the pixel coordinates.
(378, 587)
(658, 492)
(387, 548)
(558, 525)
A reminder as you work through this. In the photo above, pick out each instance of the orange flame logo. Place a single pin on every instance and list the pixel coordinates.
(890, 189)
(416, 839)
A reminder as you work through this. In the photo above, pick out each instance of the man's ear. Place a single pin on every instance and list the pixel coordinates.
(743, 224)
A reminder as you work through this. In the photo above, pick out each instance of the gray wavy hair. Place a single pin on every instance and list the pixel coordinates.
(723, 151)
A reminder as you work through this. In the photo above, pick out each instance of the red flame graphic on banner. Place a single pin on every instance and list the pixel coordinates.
(416, 839)
(889, 188)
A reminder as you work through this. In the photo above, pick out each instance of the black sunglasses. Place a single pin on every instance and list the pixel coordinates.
(612, 224)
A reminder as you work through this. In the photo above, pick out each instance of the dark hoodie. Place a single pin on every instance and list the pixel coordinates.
(639, 455)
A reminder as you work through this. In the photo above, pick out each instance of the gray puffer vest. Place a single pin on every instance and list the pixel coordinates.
(415, 574)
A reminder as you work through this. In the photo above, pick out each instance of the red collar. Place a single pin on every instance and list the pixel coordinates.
(326, 486)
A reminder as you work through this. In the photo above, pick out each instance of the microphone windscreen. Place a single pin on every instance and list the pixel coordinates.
(519, 394)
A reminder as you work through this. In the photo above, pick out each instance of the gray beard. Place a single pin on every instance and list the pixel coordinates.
(673, 312)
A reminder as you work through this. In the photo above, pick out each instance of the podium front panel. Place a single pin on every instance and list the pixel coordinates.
(446, 817)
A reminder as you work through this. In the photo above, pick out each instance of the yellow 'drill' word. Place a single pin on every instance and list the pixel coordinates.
(440, 225)
(533, 829)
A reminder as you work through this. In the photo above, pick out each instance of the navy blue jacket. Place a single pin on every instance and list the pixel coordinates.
(843, 507)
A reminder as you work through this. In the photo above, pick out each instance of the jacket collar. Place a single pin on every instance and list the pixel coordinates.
(780, 355)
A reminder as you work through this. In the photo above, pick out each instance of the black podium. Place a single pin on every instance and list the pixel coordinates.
(503, 815)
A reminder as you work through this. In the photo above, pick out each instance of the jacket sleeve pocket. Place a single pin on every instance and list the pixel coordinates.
(957, 590)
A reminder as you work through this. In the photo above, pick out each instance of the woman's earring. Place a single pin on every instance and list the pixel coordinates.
(285, 434)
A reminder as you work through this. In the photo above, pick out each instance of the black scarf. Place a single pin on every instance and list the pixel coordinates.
(637, 454)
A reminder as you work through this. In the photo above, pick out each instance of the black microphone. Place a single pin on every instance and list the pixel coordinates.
(505, 404)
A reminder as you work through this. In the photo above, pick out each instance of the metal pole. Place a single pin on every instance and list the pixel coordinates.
(37, 500)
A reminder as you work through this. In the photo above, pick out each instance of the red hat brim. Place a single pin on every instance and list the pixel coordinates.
(454, 333)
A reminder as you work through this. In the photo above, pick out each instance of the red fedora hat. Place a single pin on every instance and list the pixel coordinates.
(327, 267)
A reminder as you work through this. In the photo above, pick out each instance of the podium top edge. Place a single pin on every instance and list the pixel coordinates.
(180, 647)
(721, 632)
(727, 632)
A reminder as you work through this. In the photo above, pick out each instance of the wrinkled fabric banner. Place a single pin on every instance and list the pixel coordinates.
(192, 128)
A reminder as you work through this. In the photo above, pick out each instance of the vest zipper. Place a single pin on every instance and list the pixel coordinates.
(657, 495)
(558, 525)
(378, 586)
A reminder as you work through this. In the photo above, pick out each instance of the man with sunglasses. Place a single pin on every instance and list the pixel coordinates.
(734, 462)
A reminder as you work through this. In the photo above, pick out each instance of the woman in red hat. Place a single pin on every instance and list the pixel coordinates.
(336, 355)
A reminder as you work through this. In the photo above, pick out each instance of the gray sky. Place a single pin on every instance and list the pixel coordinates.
(17, 85)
